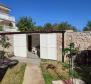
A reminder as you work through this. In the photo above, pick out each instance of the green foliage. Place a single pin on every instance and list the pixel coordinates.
(25, 24)
(48, 77)
(88, 26)
(14, 75)
(1, 28)
(48, 25)
(58, 73)
(4, 42)
(38, 28)
(2, 53)
(65, 65)
(71, 49)
(74, 74)
(65, 26)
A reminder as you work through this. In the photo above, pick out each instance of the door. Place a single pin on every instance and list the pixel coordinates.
(20, 45)
(48, 49)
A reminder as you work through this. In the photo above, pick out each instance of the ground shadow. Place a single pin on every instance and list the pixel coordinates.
(38, 50)
(83, 65)
(2, 73)
(5, 64)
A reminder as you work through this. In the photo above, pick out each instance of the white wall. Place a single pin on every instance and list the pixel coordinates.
(48, 46)
(20, 45)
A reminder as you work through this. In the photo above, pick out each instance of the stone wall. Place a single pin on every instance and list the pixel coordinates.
(82, 40)
(59, 46)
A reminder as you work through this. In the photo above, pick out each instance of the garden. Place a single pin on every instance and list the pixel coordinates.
(78, 67)
(11, 71)
(14, 75)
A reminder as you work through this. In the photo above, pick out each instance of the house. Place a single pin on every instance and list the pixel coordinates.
(7, 22)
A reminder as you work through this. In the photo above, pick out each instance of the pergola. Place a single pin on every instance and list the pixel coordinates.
(40, 32)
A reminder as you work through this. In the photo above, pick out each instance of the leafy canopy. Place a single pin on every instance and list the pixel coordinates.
(25, 24)
(88, 26)
(65, 26)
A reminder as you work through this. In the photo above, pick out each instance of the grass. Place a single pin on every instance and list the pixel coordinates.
(59, 73)
(14, 75)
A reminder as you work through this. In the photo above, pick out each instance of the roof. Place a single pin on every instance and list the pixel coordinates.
(36, 32)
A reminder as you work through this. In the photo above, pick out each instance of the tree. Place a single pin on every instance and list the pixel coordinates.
(25, 24)
(38, 28)
(48, 26)
(87, 27)
(65, 26)
(71, 52)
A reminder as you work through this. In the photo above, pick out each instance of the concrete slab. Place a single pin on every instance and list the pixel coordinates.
(33, 75)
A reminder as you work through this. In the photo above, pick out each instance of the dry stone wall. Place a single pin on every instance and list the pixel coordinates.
(82, 40)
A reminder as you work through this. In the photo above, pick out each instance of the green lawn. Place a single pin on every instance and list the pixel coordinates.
(14, 75)
(60, 72)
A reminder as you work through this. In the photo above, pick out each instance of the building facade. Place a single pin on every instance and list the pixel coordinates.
(7, 22)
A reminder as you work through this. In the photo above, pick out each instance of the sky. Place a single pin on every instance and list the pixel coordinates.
(75, 12)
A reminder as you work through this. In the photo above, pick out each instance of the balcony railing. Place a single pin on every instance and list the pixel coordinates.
(7, 17)
(8, 28)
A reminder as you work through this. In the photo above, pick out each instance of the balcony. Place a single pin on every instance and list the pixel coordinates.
(7, 17)
(8, 28)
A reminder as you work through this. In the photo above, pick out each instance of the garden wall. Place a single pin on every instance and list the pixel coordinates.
(82, 40)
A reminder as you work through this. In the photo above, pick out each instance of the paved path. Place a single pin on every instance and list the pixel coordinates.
(27, 60)
(33, 75)
(32, 59)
